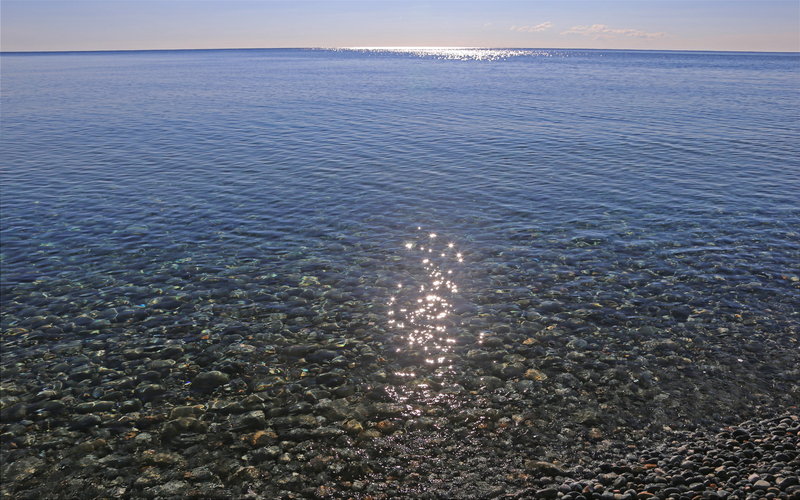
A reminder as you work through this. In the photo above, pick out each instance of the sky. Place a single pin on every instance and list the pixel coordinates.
(62, 25)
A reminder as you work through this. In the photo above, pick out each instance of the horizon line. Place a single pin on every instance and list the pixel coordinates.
(387, 47)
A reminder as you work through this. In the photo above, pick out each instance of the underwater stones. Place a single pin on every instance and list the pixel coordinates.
(577, 343)
(532, 315)
(208, 381)
(331, 379)
(647, 331)
(161, 365)
(479, 356)
(171, 489)
(150, 392)
(534, 374)
(490, 383)
(166, 303)
(173, 428)
(85, 422)
(321, 356)
(543, 468)
(344, 391)
(92, 406)
(130, 406)
(334, 410)
(255, 419)
(255, 401)
(186, 411)
(134, 353)
(50, 408)
(261, 438)
(14, 412)
(295, 351)
(161, 459)
(511, 370)
(681, 313)
(421, 450)
(550, 307)
(23, 469)
(546, 493)
(82, 373)
(494, 342)
(169, 352)
(352, 426)
(265, 384)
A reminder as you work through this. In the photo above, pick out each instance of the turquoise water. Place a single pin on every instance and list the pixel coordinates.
(624, 224)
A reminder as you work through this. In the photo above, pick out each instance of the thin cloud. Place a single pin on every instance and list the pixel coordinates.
(603, 31)
(532, 29)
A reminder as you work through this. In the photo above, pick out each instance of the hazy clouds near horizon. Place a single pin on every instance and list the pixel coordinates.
(43, 25)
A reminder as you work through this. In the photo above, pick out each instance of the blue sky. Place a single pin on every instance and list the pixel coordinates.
(759, 25)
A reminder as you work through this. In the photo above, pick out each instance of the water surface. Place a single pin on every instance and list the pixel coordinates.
(626, 223)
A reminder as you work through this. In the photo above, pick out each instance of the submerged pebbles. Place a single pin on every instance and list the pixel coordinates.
(300, 383)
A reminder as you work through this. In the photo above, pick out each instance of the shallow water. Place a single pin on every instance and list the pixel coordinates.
(626, 223)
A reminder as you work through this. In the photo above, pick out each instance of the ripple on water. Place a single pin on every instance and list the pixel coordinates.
(628, 224)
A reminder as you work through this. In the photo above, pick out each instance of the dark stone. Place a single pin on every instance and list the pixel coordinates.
(208, 381)
(183, 425)
(23, 469)
(681, 313)
(186, 411)
(130, 406)
(150, 392)
(321, 356)
(551, 306)
(85, 422)
(547, 493)
(540, 467)
(251, 420)
(167, 303)
(82, 374)
(607, 478)
(14, 413)
(740, 435)
(330, 379)
(53, 407)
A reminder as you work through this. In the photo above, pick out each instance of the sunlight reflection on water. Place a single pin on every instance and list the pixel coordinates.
(455, 53)
(421, 311)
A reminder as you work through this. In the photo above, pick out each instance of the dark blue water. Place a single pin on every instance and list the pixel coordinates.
(637, 209)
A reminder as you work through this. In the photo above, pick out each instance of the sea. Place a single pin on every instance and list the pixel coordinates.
(597, 244)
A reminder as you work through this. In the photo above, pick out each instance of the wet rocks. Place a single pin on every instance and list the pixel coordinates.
(551, 306)
(546, 493)
(208, 381)
(181, 425)
(150, 392)
(85, 422)
(321, 356)
(186, 411)
(14, 412)
(331, 379)
(251, 420)
(555, 386)
(24, 469)
(543, 468)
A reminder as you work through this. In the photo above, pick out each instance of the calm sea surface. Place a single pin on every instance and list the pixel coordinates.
(584, 229)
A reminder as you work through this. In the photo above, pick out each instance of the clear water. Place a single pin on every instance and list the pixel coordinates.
(626, 223)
